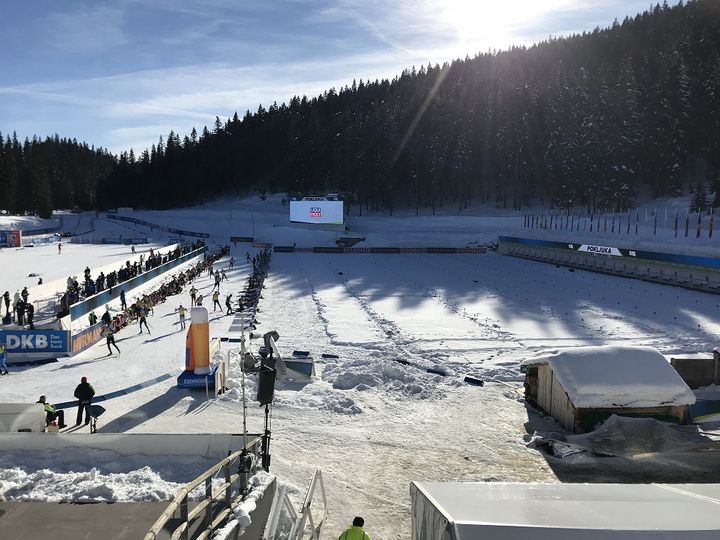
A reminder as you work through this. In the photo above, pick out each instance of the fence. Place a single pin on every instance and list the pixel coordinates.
(691, 272)
(216, 504)
(384, 250)
(86, 306)
(158, 227)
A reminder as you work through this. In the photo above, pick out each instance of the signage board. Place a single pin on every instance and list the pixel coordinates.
(316, 211)
(35, 341)
(86, 338)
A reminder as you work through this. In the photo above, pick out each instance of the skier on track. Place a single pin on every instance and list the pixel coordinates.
(181, 313)
(109, 335)
(143, 320)
(216, 300)
(193, 293)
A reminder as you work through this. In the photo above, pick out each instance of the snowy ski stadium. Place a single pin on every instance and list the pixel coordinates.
(401, 370)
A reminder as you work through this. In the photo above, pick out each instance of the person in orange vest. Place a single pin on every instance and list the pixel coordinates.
(356, 531)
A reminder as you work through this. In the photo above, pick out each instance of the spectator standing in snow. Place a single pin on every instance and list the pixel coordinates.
(6, 299)
(30, 312)
(92, 318)
(16, 301)
(106, 318)
(25, 294)
(3, 361)
(355, 532)
(84, 393)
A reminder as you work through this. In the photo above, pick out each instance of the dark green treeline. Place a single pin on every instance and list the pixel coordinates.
(37, 176)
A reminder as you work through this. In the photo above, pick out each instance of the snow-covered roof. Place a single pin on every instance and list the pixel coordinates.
(617, 376)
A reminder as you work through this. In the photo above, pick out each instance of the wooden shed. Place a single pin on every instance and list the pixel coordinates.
(582, 386)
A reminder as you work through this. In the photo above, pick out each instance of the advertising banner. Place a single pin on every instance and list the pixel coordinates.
(600, 250)
(327, 212)
(35, 341)
(86, 338)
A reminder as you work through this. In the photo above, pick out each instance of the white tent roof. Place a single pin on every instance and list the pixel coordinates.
(504, 511)
(617, 376)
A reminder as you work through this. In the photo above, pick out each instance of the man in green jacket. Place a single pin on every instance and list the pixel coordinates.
(51, 414)
(356, 531)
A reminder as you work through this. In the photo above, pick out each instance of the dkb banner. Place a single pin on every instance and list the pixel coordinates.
(36, 341)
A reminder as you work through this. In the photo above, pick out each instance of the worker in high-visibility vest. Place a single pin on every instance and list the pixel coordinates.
(356, 531)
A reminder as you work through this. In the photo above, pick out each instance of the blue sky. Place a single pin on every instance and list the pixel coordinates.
(120, 74)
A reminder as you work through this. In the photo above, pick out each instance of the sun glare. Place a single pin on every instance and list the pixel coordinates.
(492, 23)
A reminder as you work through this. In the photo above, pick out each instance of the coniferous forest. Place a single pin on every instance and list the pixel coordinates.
(593, 120)
(37, 176)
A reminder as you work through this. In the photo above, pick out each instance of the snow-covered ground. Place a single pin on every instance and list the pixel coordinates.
(374, 419)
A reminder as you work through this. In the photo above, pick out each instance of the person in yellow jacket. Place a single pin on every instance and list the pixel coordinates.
(356, 531)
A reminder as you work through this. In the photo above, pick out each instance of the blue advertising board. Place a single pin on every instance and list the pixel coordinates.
(673, 258)
(35, 341)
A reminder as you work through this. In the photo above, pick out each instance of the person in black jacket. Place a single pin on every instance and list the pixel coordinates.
(84, 393)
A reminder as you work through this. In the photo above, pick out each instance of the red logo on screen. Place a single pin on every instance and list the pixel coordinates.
(315, 212)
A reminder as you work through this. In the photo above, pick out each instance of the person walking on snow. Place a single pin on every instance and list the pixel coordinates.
(123, 303)
(216, 300)
(355, 532)
(193, 293)
(84, 393)
(181, 313)
(59, 249)
(109, 336)
(3, 361)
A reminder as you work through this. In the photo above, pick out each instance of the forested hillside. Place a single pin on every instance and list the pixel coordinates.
(37, 176)
(594, 120)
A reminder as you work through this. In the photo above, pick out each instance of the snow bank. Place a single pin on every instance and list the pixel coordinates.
(89, 475)
(617, 376)
(241, 513)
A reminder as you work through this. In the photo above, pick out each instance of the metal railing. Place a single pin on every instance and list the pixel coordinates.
(216, 504)
(300, 521)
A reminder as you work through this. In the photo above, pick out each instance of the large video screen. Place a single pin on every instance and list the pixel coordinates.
(316, 212)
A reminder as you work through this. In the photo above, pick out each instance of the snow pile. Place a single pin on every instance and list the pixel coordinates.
(711, 392)
(141, 485)
(617, 376)
(626, 437)
(67, 477)
(241, 513)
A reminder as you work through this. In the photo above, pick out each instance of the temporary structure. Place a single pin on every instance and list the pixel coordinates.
(582, 386)
(504, 511)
